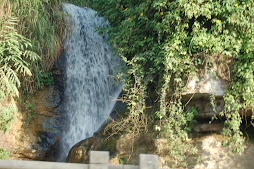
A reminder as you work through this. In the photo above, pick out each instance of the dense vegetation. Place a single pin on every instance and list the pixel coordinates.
(163, 44)
(166, 42)
(31, 34)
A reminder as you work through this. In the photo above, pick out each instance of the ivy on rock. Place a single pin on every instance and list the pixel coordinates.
(164, 42)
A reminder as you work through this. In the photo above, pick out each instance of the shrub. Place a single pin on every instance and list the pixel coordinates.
(16, 59)
(42, 22)
(31, 34)
(164, 42)
(4, 154)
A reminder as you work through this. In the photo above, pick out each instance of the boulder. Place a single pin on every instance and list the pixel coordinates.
(206, 84)
(213, 80)
(79, 153)
(199, 89)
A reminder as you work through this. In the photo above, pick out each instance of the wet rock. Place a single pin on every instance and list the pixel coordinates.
(28, 155)
(53, 151)
(59, 74)
(100, 140)
(79, 153)
(33, 152)
(45, 130)
(54, 125)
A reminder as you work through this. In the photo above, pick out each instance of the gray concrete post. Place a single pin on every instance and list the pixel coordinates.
(148, 161)
(99, 159)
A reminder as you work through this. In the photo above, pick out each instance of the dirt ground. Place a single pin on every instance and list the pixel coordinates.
(212, 155)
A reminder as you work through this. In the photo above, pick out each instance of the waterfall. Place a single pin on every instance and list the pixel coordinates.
(90, 90)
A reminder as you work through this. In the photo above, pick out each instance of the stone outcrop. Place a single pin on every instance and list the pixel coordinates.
(214, 81)
(198, 93)
(79, 153)
(207, 84)
(120, 148)
(209, 127)
(205, 90)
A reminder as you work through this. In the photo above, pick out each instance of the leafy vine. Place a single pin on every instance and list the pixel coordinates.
(163, 42)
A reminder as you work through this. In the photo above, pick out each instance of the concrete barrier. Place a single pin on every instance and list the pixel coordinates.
(98, 160)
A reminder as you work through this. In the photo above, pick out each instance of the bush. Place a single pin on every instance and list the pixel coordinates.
(4, 154)
(164, 42)
(31, 34)
(42, 22)
(16, 59)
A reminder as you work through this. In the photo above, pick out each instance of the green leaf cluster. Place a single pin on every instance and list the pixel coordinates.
(42, 22)
(4, 154)
(31, 34)
(164, 42)
(16, 58)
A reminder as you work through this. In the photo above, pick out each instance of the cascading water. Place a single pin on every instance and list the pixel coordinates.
(90, 91)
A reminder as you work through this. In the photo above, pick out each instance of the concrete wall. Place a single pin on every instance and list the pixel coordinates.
(98, 160)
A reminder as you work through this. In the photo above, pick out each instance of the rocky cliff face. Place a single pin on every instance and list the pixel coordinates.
(201, 86)
(205, 90)
(36, 128)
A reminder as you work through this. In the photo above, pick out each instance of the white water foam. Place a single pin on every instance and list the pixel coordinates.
(90, 91)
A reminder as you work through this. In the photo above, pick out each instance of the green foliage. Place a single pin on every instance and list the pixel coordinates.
(163, 42)
(122, 160)
(31, 34)
(42, 22)
(46, 79)
(27, 107)
(4, 154)
(8, 112)
(16, 58)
